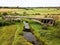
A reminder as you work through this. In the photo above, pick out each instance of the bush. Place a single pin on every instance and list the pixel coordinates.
(3, 23)
(5, 13)
(45, 27)
(57, 33)
(24, 13)
(57, 24)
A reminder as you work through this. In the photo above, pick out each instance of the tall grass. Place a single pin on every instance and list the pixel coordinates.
(7, 34)
(19, 39)
(48, 36)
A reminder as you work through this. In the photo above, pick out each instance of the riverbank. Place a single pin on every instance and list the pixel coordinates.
(47, 36)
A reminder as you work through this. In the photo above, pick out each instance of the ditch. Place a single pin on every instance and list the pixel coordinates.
(29, 36)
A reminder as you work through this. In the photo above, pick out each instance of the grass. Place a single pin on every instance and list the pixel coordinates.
(47, 36)
(13, 35)
(34, 11)
(19, 39)
(7, 34)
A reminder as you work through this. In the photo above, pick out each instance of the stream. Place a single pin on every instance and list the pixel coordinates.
(29, 36)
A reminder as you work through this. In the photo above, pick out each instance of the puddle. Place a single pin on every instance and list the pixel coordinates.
(30, 37)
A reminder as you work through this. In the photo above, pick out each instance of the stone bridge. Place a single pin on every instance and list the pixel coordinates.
(41, 19)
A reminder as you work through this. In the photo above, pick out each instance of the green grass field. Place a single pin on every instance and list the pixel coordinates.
(47, 36)
(12, 34)
(34, 11)
(7, 34)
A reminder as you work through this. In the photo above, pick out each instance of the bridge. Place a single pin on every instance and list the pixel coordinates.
(28, 17)
(48, 21)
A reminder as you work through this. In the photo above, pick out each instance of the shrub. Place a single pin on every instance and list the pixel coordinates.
(57, 24)
(57, 33)
(45, 27)
(5, 13)
(24, 13)
(3, 23)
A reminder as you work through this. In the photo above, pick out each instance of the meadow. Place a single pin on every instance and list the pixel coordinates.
(31, 11)
(11, 33)
(49, 36)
